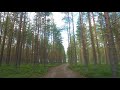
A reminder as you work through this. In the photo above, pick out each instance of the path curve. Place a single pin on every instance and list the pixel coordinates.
(62, 71)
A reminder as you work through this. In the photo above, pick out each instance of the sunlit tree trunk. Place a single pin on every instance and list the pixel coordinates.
(96, 39)
(92, 40)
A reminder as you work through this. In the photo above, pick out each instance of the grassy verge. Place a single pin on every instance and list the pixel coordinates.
(25, 71)
(99, 71)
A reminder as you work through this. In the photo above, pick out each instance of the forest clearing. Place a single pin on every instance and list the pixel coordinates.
(59, 44)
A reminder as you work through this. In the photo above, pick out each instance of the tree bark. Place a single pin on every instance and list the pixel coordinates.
(4, 37)
(83, 40)
(75, 55)
(18, 55)
(96, 39)
(111, 45)
(92, 40)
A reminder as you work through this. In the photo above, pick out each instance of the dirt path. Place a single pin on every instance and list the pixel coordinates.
(62, 71)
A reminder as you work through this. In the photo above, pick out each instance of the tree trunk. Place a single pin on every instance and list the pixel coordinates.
(105, 37)
(96, 39)
(112, 50)
(116, 33)
(9, 46)
(70, 39)
(92, 40)
(4, 37)
(18, 55)
(45, 42)
(83, 40)
(75, 56)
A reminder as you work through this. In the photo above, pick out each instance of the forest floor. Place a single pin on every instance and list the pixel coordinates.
(25, 70)
(62, 71)
(92, 71)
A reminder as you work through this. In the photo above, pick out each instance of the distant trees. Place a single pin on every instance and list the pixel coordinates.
(67, 20)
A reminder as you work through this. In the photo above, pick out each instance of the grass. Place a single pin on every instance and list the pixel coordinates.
(25, 71)
(98, 71)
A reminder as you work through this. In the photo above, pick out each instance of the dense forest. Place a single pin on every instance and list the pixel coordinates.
(26, 44)
(98, 42)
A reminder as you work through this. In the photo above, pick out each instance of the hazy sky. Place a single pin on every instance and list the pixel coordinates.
(58, 20)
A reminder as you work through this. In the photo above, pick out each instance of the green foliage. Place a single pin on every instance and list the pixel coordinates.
(25, 71)
(98, 71)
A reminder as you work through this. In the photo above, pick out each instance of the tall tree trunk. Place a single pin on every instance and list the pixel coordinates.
(116, 33)
(0, 28)
(83, 38)
(32, 56)
(39, 31)
(105, 42)
(35, 50)
(112, 50)
(36, 44)
(70, 39)
(45, 42)
(4, 37)
(18, 55)
(23, 37)
(105, 37)
(92, 40)
(96, 39)
(75, 55)
(10, 43)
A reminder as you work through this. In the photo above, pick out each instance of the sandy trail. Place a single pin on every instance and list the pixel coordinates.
(62, 71)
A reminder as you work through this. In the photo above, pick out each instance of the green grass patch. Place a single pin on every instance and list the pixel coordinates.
(25, 71)
(98, 71)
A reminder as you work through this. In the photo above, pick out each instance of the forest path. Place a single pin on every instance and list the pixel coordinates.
(62, 71)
